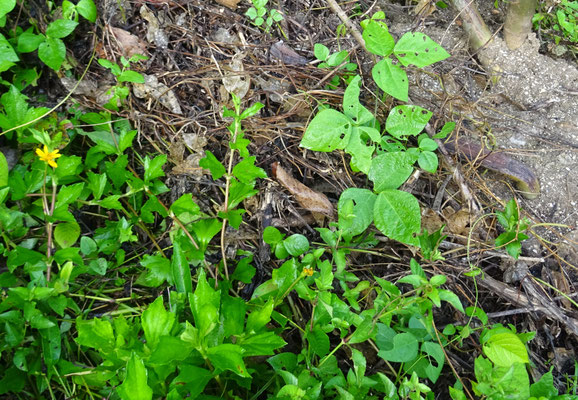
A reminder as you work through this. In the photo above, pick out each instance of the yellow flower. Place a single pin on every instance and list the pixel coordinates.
(308, 271)
(48, 156)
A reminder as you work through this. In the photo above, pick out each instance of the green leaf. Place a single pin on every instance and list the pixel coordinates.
(3, 170)
(185, 209)
(446, 130)
(205, 303)
(391, 78)
(271, 235)
(8, 56)
(60, 28)
(337, 58)
(329, 130)
(111, 202)
(6, 6)
(262, 344)
(134, 386)
(428, 161)
(505, 349)
(181, 272)
(228, 357)
(193, 379)
(296, 244)
(87, 245)
(360, 152)
(169, 351)
(158, 271)
(427, 144)
(233, 311)
(154, 168)
(130, 76)
(318, 341)
(390, 170)
(407, 120)
(321, 51)
(358, 219)
(87, 9)
(28, 42)
(351, 105)
(66, 234)
(260, 317)
(451, 298)
(52, 52)
(418, 49)
(249, 112)
(211, 163)
(378, 39)
(397, 215)
(68, 194)
(405, 347)
(244, 271)
(156, 322)
(246, 171)
(544, 387)
(95, 334)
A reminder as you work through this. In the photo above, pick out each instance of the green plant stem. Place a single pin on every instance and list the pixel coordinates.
(226, 201)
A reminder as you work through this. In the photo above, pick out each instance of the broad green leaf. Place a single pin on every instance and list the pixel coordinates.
(451, 298)
(193, 379)
(52, 52)
(185, 209)
(134, 386)
(154, 168)
(87, 9)
(60, 28)
(321, 51)
(87, 245)
(428, 161)
(505, 349)
(8, 56)
(361, 214)
(544, 387)
(246, 171)
(157, 322)
(446, 130)
(180, 270)
(51, 345)
(68, 194)
(351, 105)
(95, 333)
(430, 362)
(228, 357)
(427, 144)
(111, 202)
(260, 317)
(158, 271)
(96, 183)
(296, 244)
(233, 312)
(377, 38)
(318, 341)
(271, 235)
(337, 58)
(249, 112)
(405, 347)
(205, 304)
(407, 120)
(205, 230)
(391, 78)
(66, 234)
(329, 130)
(6, 6)
(211, 163)
(363, 331)
(360, 152)
(262, 344)
(244, 271)
(130, 76)
(390, 170)
(397, 215)
(28, 41)
(418, 49)
(3, 170)
(169, 351)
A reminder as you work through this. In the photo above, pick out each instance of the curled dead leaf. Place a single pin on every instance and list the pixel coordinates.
(307, 198)
(128, 43)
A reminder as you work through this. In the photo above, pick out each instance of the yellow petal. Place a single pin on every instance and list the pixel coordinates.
(52, 163)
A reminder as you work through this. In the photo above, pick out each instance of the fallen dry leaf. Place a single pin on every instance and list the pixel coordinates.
(307, 198)
(235, 80)
(458, 221)
(153, 89)
(128, 43)
(286, 54)
(232, 4)
(155, 33)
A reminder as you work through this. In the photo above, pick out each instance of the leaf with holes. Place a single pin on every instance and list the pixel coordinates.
(377, 38)
(390, 170)
(407, 120)
(418, 49)
(329, 130)
(397, 215)
(391, 78)
(355, 220)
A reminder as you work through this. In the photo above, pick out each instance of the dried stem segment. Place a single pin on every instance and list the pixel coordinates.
(518, 22)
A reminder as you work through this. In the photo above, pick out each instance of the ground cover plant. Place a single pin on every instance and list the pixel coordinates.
(121, 279)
